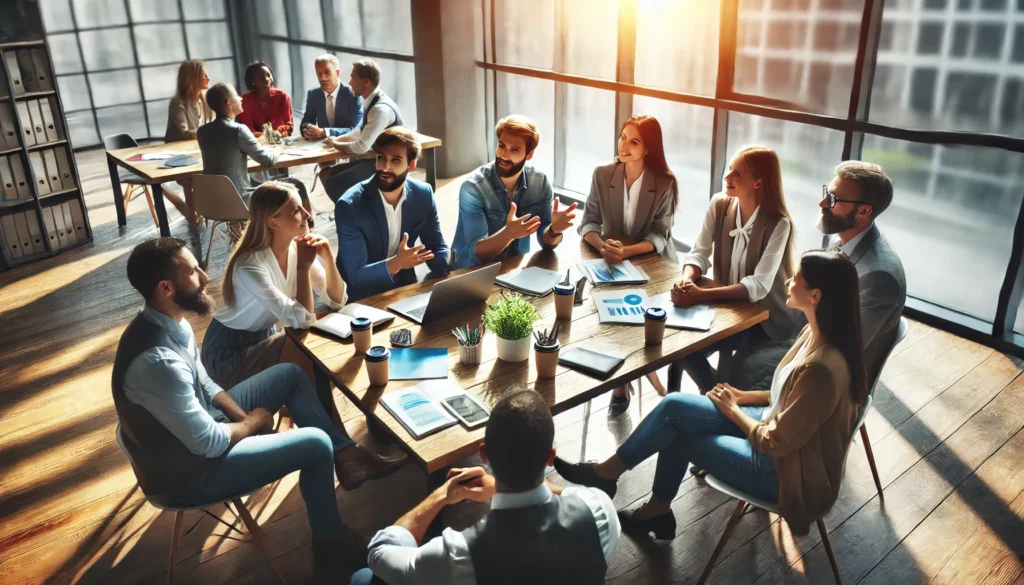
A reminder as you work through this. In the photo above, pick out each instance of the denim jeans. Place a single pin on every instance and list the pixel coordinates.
(365, 577)
(257, 461)
(686, 428)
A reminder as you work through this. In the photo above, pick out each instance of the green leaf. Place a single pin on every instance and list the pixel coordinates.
(512, 317)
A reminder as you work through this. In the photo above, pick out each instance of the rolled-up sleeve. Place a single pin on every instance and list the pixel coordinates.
(256, 280)
(395, 558)
(759, 284)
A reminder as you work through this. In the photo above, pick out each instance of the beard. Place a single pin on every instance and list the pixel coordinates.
(830, 223)
(196, 301)
(394, 184)
(515, 168)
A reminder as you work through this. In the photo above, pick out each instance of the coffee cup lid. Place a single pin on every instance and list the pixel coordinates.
(361, 324)
(656, 314)
(377, 353)
(565, 289)
(546, 348)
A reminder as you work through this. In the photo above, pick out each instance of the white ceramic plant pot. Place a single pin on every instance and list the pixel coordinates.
(514, 350)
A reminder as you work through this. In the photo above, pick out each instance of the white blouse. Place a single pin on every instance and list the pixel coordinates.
(629, 202)
(265, 297)
(758, 284)
(779, 382)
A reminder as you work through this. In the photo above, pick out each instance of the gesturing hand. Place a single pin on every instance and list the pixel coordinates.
(306, 252)
(473, 483)
(518, 227)
(409, 257)
(313, 132)
(561, 219)
(613, 251)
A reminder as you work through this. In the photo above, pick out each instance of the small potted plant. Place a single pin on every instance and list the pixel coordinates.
(512, 319)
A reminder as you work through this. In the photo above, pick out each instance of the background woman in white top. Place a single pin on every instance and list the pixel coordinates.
(747, 238)
(270, 279)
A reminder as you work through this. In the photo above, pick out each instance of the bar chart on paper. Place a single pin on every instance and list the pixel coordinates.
(624, 307)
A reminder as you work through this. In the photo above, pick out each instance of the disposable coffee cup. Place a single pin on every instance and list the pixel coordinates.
(654, 325)
(546, 357)
(377, 359)
(362, 333)
(564, 294)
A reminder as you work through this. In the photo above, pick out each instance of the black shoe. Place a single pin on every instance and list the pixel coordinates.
(584, 474)
(348, 550)
(620, 404)
(663, 526)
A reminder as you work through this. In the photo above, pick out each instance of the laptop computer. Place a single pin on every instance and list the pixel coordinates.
(449, 296)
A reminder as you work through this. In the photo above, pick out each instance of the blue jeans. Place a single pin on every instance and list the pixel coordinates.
(686, 428)
(257, 461)
(365, 577)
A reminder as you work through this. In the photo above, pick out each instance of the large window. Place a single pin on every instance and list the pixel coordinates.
(291, 34)
(932, 90)
(116, 61)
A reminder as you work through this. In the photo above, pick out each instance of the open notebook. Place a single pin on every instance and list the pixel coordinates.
(340, 323)
(533, 280)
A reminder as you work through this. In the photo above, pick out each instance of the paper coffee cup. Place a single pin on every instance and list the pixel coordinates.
(654, 325)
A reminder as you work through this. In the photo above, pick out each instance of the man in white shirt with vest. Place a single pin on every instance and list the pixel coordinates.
(536, 532)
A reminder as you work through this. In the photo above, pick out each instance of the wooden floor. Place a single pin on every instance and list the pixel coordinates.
(947, 430)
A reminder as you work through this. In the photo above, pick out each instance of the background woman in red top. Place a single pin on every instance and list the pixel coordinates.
(263, 102)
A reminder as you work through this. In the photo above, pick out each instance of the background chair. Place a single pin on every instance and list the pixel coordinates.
(130, 180)
(216, 198)
(901, 332)
(179, 520)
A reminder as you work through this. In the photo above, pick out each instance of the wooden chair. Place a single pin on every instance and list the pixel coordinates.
(179, 520)
(130, 180)
(216, 198)
(901, 333)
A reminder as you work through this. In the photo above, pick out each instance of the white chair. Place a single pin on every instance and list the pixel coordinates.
(179, 519)
(901, 333)
(216, 198)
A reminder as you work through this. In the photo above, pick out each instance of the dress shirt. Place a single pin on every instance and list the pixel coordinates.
(264, 296)
(758, 284)
(359, 141)
(849, 246)
(629, 202)
(330, 99)
(162, 382)
(394, 217)
(395, 558)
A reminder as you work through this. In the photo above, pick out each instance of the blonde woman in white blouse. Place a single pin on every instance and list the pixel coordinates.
(270, 280)
(747, 243)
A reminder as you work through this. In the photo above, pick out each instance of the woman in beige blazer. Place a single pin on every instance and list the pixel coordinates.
(786, 445)
(186, 112)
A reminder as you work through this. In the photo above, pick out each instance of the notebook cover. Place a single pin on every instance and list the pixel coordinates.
(417, 363)
(594, 364)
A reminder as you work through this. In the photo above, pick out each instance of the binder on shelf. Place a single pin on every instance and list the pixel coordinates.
(10, 236)
(7, 126)
(38, 247)
(39, 170)
(15, 71)
(24, 236)
(7, 180)
(3, 83)
(28, 70)
(52, 171)
(64, 167)
(78, 220)
(37, 121)
(26, 124)
(49, 126)
(58, 222)
(51, 228)
(20, 177)
(44, 80)
(69, 222)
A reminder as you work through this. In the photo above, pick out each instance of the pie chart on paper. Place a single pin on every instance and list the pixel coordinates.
(633, 300)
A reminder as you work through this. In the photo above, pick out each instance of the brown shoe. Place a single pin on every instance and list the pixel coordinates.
(354, 465)
(348, 550)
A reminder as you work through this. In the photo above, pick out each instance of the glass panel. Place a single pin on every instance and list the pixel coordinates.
(386, 24)
(74, 92)
(64, 52)
(270, 17)
(525, 33)
(149, 11)
(223, 70)
(56, 15)
(123, 119)
(159, 43)
(808, 156)
(805, 58)
(687, 132)
(101, 53)
(308, 57)
(397, 79)
(534, 98)
(311, 21)
(953, 206)
(114, 87)
(590, 135)
(589, 33)
(208, 40)
(82, 128)
(348, 27)
(205, 9)
(160, 82)
(93, 13)
(683, 62)
(157, 112)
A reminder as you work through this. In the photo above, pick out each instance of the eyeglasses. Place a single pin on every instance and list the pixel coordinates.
(832, 199)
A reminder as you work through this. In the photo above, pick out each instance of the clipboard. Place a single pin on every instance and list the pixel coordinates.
(49, 126)
(38, 247)
(78, 220)
(11, 236)
(20, 180)
(41, 69)
(15, 69)
(52, 172)
(39, 170)
(7, 126)
(51, 228)
(26, 124)
(7, 180)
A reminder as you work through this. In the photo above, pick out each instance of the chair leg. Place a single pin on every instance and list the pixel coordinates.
(257, 538)
(871, 458)
(209, 247)
(828, 549)
(127, 194)
(179, 523)
(152, 206)
(741, 507)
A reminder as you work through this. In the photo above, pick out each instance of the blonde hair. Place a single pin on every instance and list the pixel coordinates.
(763, 163)
(267, 201)
(190, 80)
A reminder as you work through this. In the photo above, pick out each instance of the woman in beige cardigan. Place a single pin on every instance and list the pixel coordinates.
(186, 112)
(786, 445)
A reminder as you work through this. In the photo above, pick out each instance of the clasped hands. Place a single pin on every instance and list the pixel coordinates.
(473, 483)
(728, 399)
(309, 247)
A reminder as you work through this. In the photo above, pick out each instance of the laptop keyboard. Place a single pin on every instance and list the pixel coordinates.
(418, 312)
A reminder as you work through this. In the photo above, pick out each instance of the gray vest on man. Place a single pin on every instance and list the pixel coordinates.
(163, 464)
(382, 99)
(556, 542)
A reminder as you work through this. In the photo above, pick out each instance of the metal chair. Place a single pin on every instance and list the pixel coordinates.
(130, 180)
(179, 519)
(901, 333)
(216, 198)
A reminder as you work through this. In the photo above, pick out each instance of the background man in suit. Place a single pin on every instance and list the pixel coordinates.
(536, 532)
(331, 109)
(380, 219)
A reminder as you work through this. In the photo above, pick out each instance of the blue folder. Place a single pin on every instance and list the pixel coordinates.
(417, 363)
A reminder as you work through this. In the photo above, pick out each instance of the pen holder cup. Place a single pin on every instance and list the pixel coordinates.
(546, 357)
(469, 355)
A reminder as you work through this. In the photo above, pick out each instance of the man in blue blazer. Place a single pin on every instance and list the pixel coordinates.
(319, 121)
(380, 220)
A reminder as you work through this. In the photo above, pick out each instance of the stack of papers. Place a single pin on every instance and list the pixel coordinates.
(622, 307)
(340, 323)
(419, 409)
(532, 281)
(697, 317)
(601, 272)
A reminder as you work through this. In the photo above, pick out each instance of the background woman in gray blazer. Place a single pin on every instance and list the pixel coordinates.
(631, 207)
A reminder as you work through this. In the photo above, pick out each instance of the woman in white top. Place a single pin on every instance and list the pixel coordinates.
(747, 239)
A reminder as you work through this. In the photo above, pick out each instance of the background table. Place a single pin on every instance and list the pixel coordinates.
(155, 172)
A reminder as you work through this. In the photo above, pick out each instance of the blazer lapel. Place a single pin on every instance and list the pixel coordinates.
(376, 204)
(648, 193)
(865, 243)
(615, 198)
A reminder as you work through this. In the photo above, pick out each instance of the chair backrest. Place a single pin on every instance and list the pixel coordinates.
(215, 198)
(901, 332)
(119, 141)
(124, 448)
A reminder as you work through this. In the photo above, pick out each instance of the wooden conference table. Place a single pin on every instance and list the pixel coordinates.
(155, 172)
(493, 378)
